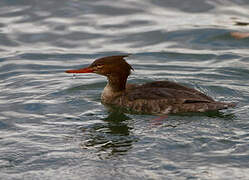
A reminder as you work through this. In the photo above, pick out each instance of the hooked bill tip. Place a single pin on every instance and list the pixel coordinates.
(70, 71)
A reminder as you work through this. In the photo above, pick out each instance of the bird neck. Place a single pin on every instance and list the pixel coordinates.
(115, 87)
(117, 82)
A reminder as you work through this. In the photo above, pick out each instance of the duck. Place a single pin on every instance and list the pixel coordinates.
(155, 98)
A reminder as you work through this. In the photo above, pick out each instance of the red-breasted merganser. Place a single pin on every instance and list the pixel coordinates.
(159, 97)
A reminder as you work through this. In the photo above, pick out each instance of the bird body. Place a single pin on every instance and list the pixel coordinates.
(158, 97)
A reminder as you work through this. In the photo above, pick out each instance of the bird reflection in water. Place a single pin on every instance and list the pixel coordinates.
(114, 135)
(111, 138)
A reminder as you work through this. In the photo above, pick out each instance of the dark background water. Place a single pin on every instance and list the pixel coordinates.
(53, 126)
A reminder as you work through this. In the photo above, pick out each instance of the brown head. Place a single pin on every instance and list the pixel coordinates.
(114, 67)
(111, 65)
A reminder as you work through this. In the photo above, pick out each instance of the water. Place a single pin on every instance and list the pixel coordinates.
(52, 124)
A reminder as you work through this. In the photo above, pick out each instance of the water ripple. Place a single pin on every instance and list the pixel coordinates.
(53, 126)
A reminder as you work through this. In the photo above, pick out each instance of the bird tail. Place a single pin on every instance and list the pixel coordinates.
(221, 105)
